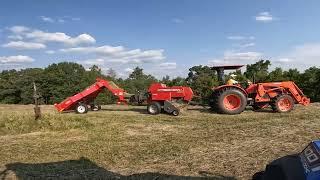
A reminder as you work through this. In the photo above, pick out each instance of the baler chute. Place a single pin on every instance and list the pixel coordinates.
(80, 101)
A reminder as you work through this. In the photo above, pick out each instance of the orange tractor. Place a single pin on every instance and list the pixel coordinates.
(233, 99)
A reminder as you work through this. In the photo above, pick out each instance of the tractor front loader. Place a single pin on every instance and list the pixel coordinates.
(233, 99)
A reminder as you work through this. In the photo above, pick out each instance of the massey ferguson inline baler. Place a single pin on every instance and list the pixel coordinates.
(158, 97)
(170, 99)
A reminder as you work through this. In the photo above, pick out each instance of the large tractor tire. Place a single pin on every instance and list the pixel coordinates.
(81, 108)
(154, 108)
(229, 101)
(283, 103)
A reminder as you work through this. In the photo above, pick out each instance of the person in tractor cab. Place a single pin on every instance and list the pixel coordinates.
(232, 80)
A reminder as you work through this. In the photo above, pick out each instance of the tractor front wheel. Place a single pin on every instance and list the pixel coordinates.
(229, 101)
(283, 103)
(154, 108)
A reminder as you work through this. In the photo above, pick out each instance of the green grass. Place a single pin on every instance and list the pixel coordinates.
(119, 141)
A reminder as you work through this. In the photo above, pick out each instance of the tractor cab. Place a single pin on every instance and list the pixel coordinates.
(220, 71)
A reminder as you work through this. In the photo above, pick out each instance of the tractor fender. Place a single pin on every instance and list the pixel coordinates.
(231, 86)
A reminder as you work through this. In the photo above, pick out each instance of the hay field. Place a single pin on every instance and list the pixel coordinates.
(124, 142)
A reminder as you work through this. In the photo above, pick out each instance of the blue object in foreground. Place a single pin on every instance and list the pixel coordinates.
(310, 158)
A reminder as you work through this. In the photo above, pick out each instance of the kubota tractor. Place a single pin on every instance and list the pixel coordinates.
(233, 99)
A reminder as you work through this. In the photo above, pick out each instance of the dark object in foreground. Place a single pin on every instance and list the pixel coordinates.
(303, 166)
(84, 168)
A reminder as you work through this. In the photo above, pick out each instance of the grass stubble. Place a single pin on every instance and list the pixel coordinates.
(125, 140)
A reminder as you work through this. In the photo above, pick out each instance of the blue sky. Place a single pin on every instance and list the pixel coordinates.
(163, 37)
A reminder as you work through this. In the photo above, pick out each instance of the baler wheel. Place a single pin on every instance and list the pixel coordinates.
(175, 112)
(229, 101)
(154, 108)
(95, 107)
(81, 108)
(283, 103)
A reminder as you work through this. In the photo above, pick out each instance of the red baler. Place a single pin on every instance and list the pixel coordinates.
(169, 99)
(159, 97)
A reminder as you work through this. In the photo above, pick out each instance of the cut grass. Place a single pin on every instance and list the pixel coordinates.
(124, 140)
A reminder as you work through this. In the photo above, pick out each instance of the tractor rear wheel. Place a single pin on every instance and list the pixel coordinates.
(81, 108)
(154, 108)
(229, 101)
(283, 103)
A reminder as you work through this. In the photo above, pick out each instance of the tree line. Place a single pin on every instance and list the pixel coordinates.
(58, 81)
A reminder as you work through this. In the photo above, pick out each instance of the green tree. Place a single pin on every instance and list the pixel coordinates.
(311, 83)
(276, 75)
(292, 75)
(201, 79)
(138, 81)
(63, 80)
(259, 70)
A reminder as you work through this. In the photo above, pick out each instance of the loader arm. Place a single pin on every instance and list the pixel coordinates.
(287, 87)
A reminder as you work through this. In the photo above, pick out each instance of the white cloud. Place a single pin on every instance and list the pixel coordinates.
(58, 19)
(246, 45)
(24, 45)
(177, 20)
(47, 19)
(50, 52)
(61, 20)
(283, 60)
(19, 29)
(264, 17)
(15, 37)
(75, 19)
(241, 37)
(232, 58)
(168, 65)
(214, 62)
(92, 62)
(103, 50)
(41, 36)
(15, 59)
(119, 54)
(128, 70)
(301, 57)
(59, 37)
